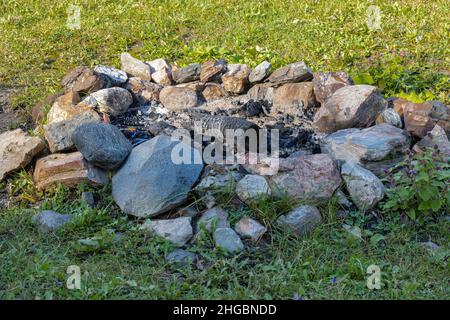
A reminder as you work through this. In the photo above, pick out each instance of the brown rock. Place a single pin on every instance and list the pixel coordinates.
(176, 98)
(82, 79)
(435, 138)
(420, 118)
(399, 104)
(143, 91)
(196, 86)
(135, 67)
(68, 169)
(236, 78)
(309, 178)
(212, 69)
(350, 107)
(294, 72)
(65, 108)
(213, 91)
(17, 149)
(327, 83)
(293, 98)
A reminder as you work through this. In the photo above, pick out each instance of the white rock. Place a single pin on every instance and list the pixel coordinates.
(365, 189)
(249, 228)
(178, 231)
(252, 187)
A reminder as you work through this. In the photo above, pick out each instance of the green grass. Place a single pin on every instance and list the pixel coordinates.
(407, 57)
(330, 263)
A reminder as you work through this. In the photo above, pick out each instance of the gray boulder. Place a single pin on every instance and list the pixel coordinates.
(301, 220)
(228, 240)
(102, 144)
(48, 221)
(187, 74)
(214, 217)
(376, 148)
(294, 72)
(150, 182)
(113, 101)
(252, 187)
(365, 189)
(59, 134)
(260, 72)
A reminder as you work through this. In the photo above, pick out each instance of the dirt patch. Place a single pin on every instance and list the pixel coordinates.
(8, 118)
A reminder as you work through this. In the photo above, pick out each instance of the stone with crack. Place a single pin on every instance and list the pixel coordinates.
(17, 150)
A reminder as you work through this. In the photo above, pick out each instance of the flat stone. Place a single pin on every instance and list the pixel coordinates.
(82, 79)
(250, 229)
(350, 107)
(176, 98)
(420, 118)
(59, 134)
(178, 231)
(252, 187)
(327, 83)
(376, 148)
(365, 189)
(143, 91)
(181, 258)
(113, 101)
(115, 76)
(235, 79)
(435, 138)
(17, 150)
(300, 220)
(228, 240)
(187, 74)
(102, 144)
(213, 91)
(213, 218)
(293, 98)
(429, 245)
(49, 221)
(150, 182)
(390, 116)
(310, 178)
(260, 72)
(68, 169)
(262, 92)
(294, 72)
(161, 71)
(135, 67)
(212, 69)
